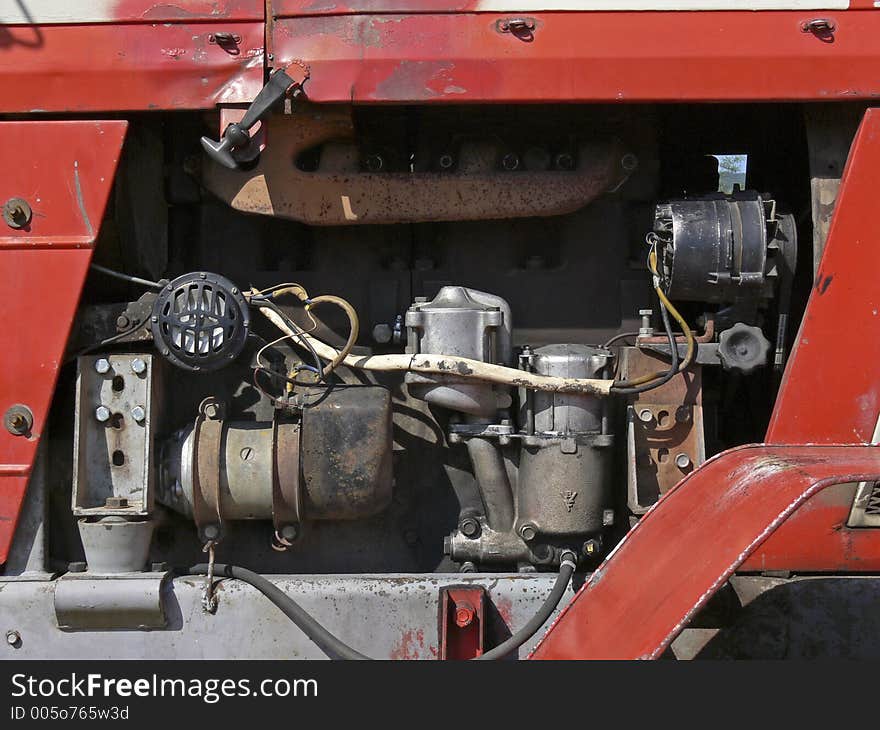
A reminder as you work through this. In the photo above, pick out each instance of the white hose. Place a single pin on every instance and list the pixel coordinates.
(451, 365)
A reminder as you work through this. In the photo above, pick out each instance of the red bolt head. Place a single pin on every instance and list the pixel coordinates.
(464, 615)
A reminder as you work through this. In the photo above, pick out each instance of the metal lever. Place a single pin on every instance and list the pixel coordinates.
(230, 150)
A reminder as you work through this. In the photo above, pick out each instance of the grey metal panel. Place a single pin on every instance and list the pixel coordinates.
(384, 616)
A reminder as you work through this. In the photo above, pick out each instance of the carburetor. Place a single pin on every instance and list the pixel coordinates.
(544, 483)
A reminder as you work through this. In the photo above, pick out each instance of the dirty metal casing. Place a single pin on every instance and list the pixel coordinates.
(459, 322)
(568, 413)
(564, 484)
(720, 248)
(116, 404)
(338, 192)
(665, 434)
(332, 464)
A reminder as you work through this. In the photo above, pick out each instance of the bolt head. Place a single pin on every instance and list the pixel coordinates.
(138, 366)
(122, 322)
(211, 532)
(290, 532)
(102, 366)
(138, 414)
(211, 410)
(646, 415)
(468, 567)
(464, 615)
(102, 413)
(528, 532)
(469, 527)
(12, 638)
(682, 461)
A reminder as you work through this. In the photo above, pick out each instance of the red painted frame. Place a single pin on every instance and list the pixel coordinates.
(64, 170)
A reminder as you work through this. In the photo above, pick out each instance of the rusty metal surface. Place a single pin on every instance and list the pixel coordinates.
(663, 426)
(286, 491)
(66, 178)
(828, 396)
(346, 453)
(688, 545)
(277, 187)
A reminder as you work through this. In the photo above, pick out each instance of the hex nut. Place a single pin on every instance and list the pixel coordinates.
(102, 366)
(138, 366)
(13, 638)
(138, 414)
(102, 413)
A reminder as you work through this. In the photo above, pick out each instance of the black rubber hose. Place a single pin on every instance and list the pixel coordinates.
(539, 619)
(328, 643)
(336, 649)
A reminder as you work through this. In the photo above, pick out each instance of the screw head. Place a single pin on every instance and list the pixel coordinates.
(102, 366)
(138, 366)
(528, 532)
(102, 413)
(138, 414)
(13, 638)
(18, 420)
(17, 213)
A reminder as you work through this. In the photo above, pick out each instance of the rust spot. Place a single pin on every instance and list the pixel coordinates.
(410, 645)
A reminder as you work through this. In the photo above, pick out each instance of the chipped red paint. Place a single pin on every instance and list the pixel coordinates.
(690, 542)
(86, 68)
(583, 56)
(411, 646)
(824, 399)
(64, 170)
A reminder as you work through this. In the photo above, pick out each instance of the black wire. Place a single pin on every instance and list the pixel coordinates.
(621, 336)
(108, 341)
(127, 277)
(623, 388)
(304, 341)
(336, 649)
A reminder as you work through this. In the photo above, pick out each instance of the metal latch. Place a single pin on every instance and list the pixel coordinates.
(234, 147)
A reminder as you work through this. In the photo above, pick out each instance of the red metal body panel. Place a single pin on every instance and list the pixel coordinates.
(583, 56)
(699, 533)
(86, 68)
(64, 170)
(831, 389)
